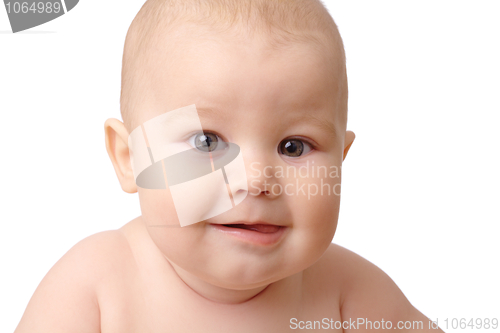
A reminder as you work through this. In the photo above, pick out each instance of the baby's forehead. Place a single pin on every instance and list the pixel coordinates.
(207, 53)
(282, 86)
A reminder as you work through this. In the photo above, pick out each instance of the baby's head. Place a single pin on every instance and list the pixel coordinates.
(269, 76)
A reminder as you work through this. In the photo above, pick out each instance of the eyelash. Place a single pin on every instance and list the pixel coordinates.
(309, 142)
(206, 132)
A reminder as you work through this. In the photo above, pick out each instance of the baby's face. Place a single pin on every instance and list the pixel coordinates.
(280, 108)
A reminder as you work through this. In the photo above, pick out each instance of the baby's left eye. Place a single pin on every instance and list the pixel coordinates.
(294, 147)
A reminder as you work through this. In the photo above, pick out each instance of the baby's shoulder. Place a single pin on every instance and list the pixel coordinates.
(66, 299)
(341, 269)
(93, 260)
(97, 256)
(363, 290)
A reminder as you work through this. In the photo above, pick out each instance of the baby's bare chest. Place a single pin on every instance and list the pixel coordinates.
(132, 306)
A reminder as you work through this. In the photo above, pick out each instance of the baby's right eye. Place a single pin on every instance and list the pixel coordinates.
(206, 142)
(294, 147)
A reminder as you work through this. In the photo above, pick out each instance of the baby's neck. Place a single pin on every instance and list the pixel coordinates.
(288, 286)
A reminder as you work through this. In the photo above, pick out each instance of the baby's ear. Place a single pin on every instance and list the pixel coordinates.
(117, 147)
(349, 139)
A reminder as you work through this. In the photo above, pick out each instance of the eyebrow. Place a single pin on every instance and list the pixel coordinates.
(201, 112)
(210, 112)
(322, 124)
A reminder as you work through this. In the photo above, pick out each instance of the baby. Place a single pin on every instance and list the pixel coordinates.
(218, 249)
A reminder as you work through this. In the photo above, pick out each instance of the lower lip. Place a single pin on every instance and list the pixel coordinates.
(251, 236)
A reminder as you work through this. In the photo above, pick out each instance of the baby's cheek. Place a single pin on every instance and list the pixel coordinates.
(162, 223)
(158, 208)
(316, 208)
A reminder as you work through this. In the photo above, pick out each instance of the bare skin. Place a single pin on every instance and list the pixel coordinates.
(118, 281)
(142, 278)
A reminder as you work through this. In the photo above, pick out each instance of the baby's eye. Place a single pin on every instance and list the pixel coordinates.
(206, 142)
(294, 147)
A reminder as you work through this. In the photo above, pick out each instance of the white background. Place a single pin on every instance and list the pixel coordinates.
(421, 182)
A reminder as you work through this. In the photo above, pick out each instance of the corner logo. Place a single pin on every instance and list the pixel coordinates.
(31, 13)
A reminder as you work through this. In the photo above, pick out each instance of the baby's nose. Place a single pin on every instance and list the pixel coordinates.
(260, 174)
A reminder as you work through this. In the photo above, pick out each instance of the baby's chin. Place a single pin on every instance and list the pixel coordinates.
(240, 272)
(245, 275)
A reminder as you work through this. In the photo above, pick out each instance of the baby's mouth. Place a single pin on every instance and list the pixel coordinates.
(258, 233)
(263, 228)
